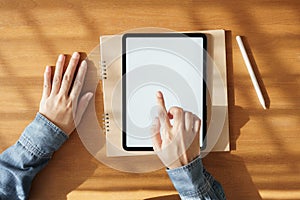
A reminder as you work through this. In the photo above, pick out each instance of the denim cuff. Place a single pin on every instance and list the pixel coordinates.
(41, 137)
(189, 180)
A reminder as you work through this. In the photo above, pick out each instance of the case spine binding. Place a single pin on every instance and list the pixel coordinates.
(105, 120)
(103, 74)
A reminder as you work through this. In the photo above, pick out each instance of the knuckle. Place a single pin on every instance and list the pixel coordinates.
(56, 79)
(77, 84)
(60, 99)
(161, 113)
(73, 96)
(177, 110)
(188, 115)
(67, 78)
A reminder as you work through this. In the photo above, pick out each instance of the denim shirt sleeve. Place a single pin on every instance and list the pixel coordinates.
(21, 162)
(193, 182)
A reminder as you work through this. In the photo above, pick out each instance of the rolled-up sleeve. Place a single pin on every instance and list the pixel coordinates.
(193, 182)
(21, 162)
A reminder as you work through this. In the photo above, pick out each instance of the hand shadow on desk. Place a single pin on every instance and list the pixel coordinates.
(68, 169)
(230, 170)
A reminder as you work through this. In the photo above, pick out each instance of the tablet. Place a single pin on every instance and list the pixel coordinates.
(174, 63)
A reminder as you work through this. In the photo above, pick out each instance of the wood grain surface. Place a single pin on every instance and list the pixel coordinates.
(265, 159)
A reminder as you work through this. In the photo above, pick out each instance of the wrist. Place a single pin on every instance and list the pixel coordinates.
(41, 137)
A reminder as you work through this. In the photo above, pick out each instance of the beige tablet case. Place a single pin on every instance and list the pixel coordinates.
(110, 56)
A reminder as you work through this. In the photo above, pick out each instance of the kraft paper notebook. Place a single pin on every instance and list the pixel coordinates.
(111, 72)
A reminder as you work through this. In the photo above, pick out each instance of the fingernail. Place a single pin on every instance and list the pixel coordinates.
(159, 94)
(48, 69)
(83, 64)
(75, 55)
(61, 57)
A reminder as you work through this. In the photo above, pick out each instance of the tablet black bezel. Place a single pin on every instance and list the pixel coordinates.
(138, 35)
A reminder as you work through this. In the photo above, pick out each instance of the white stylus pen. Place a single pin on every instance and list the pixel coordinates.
(250, 70)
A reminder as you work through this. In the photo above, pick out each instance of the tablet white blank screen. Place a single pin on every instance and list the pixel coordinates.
(173, 65)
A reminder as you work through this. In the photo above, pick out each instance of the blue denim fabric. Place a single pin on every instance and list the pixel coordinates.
(21, 162)
(193, 182)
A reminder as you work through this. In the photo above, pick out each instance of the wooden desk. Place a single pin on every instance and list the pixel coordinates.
(265, 160)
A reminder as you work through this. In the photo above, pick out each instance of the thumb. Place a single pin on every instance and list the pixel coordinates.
(82, 105)
(155, 133)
